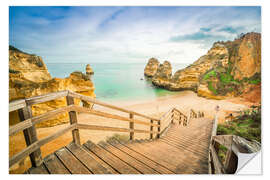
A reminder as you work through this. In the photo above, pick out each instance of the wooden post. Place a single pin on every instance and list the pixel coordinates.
(131, 127)
(230, 162)
(151, 129)
(158, 135)
(30, 136)
(172, 116)
(73, 120)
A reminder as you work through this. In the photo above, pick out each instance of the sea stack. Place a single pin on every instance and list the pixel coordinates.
(151, 67)
(163, 75)
(28, 77)
(89, 70)
(228, 69)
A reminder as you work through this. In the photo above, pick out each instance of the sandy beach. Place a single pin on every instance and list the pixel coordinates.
(184, 101)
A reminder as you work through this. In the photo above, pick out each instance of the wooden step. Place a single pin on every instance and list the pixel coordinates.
(142, 168)
(140, 157)
(38, 170)
(175, 157)
(87, 159)
(112, 160)
(54, 165)
(71, 162)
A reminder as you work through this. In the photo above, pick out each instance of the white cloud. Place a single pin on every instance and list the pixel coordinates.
(118, 34)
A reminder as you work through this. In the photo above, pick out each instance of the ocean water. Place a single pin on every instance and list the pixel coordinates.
(116, 82)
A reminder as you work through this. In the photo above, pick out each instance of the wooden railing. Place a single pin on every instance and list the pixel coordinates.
(234, 145)
(27, 122)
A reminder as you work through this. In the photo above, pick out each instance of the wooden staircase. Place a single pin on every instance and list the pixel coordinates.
(177, 144)
(181, 150)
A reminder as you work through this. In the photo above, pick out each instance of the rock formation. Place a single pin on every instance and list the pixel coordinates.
(22, 69)
(228, 69)
(163, 75)
(89, 70)
(151, 67)
(29, 66)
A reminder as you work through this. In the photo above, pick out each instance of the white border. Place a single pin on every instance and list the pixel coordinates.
(4, 70)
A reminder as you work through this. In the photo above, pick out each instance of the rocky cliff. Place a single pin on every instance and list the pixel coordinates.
(163, 73)
(151, 67)
(28, 76)
(228, 69)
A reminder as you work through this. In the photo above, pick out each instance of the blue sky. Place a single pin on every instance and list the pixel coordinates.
(126, 34)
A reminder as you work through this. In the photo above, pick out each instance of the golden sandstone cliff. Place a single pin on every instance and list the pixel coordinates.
(151, 67)
(230, 68)
(28, 76)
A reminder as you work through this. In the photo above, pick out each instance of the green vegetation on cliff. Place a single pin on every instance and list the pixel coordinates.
(220, 81)
(246, 125)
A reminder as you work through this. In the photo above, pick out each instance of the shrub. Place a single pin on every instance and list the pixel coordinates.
(246, 125)
(211, 87)
(210, 74)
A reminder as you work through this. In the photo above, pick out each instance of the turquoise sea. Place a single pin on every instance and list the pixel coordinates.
(114, 82)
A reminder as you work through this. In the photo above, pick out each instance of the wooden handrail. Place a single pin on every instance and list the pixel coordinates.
(107, 128)
(29, 122)
(37, 119)
(17, 104)
(95, 101)
(234, 144)
(36, 145)
(108, 115)
(46, 97)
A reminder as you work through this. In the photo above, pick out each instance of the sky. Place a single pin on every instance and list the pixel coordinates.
(84, 34)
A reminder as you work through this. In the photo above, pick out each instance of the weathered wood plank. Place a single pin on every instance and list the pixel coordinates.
(219, 168)
(46, 97)
(36, 145)
(158, 135)
(73, 120)
(37, 119)
(87, 160)
(71, 162)
(115, 162)
(54, 165)
(151, 129)
(100, 161)
(17, 104)
(131, 127)
(245, 146)
(106, 128)
(142, 168)
(95, 101)
(158, 167)
(225, 140)
(38, 170)
(179, 112)
(184, 161)
(154, 157)
(30, 136)
(231, 162)
(108, 115)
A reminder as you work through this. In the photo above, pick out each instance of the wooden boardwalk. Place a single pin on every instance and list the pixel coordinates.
(181, 150)
(178, 143)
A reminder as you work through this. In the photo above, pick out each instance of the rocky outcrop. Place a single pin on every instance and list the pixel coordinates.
(189, 78)
(151, 67)
(89, 70)
(29, 66)
(163, 75)
(241, 72)
(227, 69)
(23, 86)
(246, 56)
